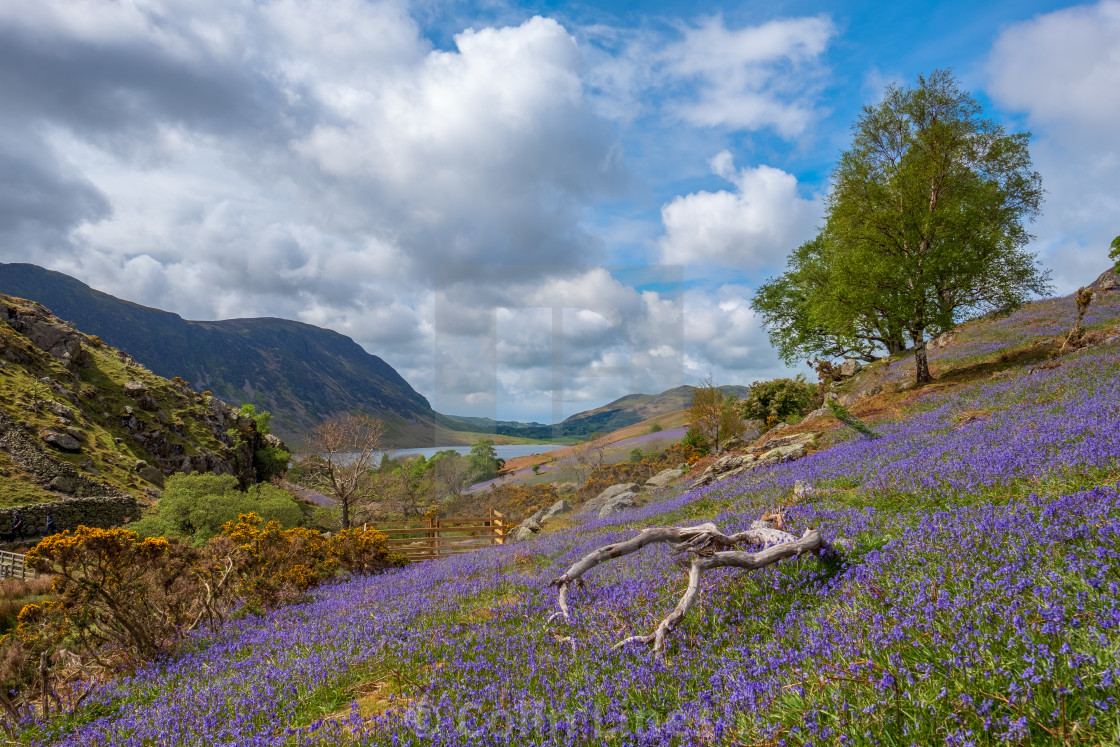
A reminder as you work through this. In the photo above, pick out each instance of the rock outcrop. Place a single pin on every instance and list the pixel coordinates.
(55, 337)
(664, 478)
(596, 504)
(773, 451)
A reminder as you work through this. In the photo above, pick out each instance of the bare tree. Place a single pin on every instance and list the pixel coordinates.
(450, 473)
(343, 459)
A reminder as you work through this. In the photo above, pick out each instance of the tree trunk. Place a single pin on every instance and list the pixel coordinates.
(922, 374)
(895, 346)
(345, 505)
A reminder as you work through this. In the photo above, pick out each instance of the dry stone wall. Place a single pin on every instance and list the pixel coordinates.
(104, 512)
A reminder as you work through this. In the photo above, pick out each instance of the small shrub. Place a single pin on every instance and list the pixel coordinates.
(694, 439)
(778, 399)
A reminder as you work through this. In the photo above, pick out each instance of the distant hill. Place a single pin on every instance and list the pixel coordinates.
(624, 411)
(301, 373)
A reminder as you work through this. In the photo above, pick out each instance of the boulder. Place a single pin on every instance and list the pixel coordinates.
(595, 505)
(64, 484)
(797, 438)
(784, 453)
(820, 412)
(850, 367)
(555, 510)
(617, 504)
(725, 468)
(663, 478)
(63, 441)
(50, 334)
(135, 388)
(152, 475)
(61, 410)
(520, 534)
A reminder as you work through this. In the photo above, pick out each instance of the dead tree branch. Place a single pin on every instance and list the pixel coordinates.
(710, 548)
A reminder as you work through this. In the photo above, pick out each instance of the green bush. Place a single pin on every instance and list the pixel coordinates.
(1114, 255)
(778, 399)
(195, 507)
(696, 440)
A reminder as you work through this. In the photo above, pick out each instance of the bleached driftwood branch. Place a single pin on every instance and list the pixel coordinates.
(711, 550)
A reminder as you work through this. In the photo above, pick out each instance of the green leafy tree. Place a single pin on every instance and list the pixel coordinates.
(1115, 253)
(925, 224)
(484, 461)
(194, 507)
(778, 399)
(806, 318)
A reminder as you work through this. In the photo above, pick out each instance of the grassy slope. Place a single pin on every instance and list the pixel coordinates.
(979, 602)
(99, 384)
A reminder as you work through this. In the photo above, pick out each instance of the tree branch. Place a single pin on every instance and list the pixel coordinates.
(708, 545)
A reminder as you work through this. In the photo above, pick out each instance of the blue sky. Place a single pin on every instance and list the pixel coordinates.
(495, 197)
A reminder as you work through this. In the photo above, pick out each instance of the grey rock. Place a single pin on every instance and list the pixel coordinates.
(60, 410)
(801, 489)
(560, 507)
(64, 484)
(567, 487)
(617, 504)
(796, 438)
(152, 475)
(779, 427)
(135, 388)
(663, 478)
(595, 505)
(850, 367)
(63, 441)
(820, 412)
(784, 454)
(520, 534)
(725, 468)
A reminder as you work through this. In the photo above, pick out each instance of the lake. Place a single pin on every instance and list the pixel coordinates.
(504, 451)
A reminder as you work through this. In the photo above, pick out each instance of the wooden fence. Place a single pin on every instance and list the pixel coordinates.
(427, 539)
(14, 565)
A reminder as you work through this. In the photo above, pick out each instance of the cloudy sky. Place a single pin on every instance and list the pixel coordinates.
(527, 209)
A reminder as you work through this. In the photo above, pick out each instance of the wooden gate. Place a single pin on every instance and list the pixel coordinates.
(427, 539)
(14, 565)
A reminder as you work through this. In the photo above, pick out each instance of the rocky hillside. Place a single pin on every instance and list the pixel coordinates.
(82, 421)
(300, 373)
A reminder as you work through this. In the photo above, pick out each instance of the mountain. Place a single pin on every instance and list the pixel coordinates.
(299, 372)
(624, 411)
